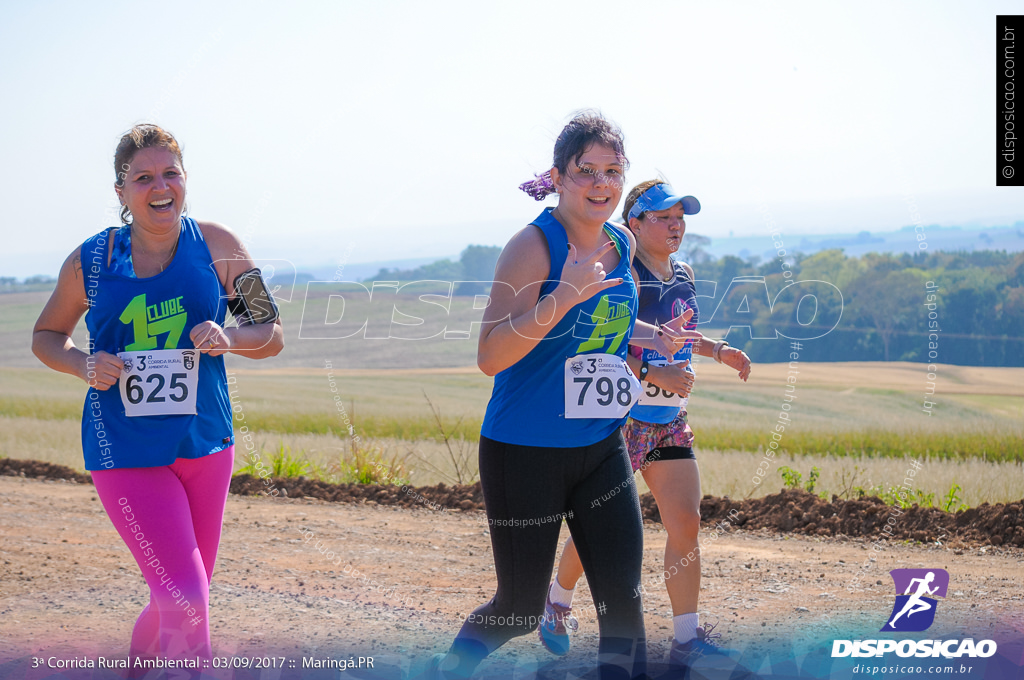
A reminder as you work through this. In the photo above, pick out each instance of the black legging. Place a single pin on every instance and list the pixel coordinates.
(526, 489)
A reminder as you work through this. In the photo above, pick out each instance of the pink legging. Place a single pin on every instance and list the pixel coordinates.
(170, 518)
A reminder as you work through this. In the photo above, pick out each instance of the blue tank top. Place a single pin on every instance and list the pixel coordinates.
(661, 302)
(527, 405)
(127, 314)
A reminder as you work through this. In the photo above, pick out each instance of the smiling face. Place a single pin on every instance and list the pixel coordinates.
(660, 233)
(589, 192)
(154, 188)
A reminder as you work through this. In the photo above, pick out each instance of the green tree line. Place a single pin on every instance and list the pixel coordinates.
(941, 307)
(475, 264)
(964, 307)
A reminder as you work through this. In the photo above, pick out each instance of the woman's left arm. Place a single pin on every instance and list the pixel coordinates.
(730, 356)
(255, 341)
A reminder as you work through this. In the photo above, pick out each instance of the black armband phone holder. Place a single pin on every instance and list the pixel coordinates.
(253, 302)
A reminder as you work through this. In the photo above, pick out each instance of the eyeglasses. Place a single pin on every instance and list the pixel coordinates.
(613, 176)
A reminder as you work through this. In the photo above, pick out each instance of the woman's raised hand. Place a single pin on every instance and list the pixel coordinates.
(671, 336)
(586, 277)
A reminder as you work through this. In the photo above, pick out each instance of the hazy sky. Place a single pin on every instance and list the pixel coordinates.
(369, 131)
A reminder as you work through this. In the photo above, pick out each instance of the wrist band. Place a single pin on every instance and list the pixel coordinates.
(644, 367)
(716, 353)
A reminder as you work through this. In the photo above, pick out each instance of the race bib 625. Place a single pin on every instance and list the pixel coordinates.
(159, 382)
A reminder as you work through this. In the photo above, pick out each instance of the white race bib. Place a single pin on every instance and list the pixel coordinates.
(599, 386)
(652, 395)
(159, 382)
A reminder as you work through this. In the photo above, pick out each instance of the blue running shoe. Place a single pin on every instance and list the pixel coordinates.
(555, 626)
(703, 657)
(683, 653)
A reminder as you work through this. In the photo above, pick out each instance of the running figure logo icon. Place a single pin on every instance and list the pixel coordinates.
(914, 610)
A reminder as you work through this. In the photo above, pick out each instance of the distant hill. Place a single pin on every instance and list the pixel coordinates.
(949, 239)
(904, 240)
(938, 238)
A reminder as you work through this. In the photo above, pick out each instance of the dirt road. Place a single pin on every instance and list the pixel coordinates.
(68, 586)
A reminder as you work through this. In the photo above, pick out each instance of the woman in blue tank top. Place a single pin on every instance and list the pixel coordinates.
(657, 434)
(555, 336)
(156, 426)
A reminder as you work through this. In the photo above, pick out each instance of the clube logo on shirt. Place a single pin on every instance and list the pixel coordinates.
(914, 611)
(149, 321)
(611, 320)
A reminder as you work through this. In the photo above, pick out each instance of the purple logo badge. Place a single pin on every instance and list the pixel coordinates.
(916, 590)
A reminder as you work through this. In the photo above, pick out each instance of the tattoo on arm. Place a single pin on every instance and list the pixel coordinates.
(77, 263)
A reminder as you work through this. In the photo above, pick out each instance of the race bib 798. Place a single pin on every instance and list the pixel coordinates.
(599, 386)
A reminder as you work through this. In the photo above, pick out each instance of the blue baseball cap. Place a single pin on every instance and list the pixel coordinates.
(663, 197)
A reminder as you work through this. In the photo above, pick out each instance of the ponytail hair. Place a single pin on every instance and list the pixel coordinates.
(540, 187)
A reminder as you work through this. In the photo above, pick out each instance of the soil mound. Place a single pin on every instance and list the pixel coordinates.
(800, 512)
(439, 497)
(790, 511)
(34, 469)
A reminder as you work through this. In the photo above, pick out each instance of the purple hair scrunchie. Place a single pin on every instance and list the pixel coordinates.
(540, 187)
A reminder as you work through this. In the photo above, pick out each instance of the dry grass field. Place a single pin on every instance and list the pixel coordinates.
(293, 411)
(857, 423)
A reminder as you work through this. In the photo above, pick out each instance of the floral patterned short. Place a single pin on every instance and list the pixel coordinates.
(645, 441)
